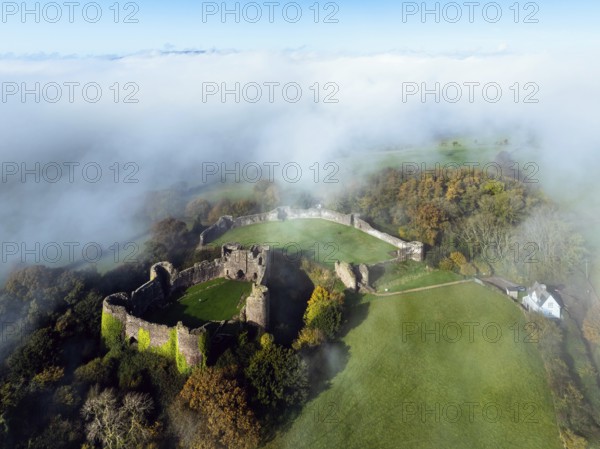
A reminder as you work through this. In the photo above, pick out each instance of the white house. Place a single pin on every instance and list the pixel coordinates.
(539, 300)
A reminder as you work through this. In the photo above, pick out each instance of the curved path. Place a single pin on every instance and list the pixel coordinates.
(420, 289)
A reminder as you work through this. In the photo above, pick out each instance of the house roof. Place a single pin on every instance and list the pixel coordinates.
(542, 295)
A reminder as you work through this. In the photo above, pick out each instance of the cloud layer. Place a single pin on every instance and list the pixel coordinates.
(179, 122)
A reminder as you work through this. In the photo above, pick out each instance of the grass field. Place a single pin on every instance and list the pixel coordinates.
(399, 388)
(407, 275)
(320, 240)
(215, 300)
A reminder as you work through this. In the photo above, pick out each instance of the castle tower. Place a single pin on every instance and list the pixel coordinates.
(257, 306)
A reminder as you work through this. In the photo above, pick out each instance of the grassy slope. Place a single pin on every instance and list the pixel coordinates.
(320, 240)
(220, 300)
(575, 346)
(367, 403)
(411, 274)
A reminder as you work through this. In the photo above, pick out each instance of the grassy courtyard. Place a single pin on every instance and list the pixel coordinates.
(404, 379)
(215, 300)
(320, 240)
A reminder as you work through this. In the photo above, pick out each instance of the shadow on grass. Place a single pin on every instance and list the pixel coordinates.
(173, 313)
(324, 362)
(289, 289)
(376, 272)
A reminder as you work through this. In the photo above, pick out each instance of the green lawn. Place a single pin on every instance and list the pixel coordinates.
(399, 390)
(407, 275)
(215, 300)
(320, 240)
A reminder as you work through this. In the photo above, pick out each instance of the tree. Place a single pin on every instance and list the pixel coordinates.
(483, 267)
(244, 207)
(458, 258)
(223, 207)
(218, 396)
(278, 376)
(430, 220)
(572, 440)
(324, 311)
(198, 208)
(117, 425)
(551, 241)
(309, 337)
(190, 429)
(468, 269)
(446, 264)
(591, 324)
(45, 290)
(96, 371)
(38, 351)
(170, 240)
(267, 194)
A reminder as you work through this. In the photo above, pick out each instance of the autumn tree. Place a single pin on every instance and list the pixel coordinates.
(220, 399)
(222, 207)
(430, 220)
(322, 317)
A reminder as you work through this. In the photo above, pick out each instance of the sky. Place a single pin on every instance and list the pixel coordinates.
(86, 28)
(146, 103)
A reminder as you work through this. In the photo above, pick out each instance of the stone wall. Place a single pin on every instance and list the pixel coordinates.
(159, 334)
(251, 264)
(412, 250)
(257, 306)
(149, 294)
(215, 231)
(345, 272)
(165, 281)
(200, 272)
(363, 271)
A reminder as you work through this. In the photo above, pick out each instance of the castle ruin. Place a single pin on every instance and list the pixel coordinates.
(405, 250)
(122, 312)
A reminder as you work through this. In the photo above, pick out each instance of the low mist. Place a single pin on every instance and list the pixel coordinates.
(163, 124)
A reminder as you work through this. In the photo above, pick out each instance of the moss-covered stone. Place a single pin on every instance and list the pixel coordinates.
(143, 339)
(111, 330)
(171, 350)
(203, 346)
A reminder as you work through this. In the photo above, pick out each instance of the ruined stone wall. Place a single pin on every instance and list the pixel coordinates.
(159, 336)
(251, 264)
(257, 306)
(147, 295)
(215, 231)
(345, 272)
(116, 306)
(165, 281)
(159, 333)
(412, 250)
(200, 272)
(274, 215)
